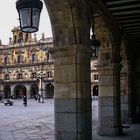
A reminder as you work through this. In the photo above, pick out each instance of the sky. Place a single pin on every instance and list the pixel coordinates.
(9, 20)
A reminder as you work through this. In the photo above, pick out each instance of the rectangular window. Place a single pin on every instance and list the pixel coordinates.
(33, 57)
(20, 76)
(33, 75)
(95, 76)
(5, 60)
(49, 74)
(47, 56)
(6, 77)
(19, 59)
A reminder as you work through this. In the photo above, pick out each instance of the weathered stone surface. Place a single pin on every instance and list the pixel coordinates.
(72, 105)
(106, 91)
(73, 124)
(72, 93)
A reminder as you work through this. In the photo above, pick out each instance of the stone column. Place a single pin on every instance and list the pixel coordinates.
(131, 99)
(72, 98)
(12, 90)
(124, 98)
(131, 93)
(109, 123)
(43, 90)
(109, 101)
(1, 87)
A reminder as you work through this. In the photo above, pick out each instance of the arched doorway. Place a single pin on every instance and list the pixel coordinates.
(34, 91)
(19, 91)
(95, 90)
(7, 91)
(49, 90)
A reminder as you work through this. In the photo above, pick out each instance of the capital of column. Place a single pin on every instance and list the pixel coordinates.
(116, 66)
(71, 50)
(72, 71)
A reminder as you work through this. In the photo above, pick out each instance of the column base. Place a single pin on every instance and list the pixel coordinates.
(72, 136)
(109, 131)
(73, 122)
(109, 123)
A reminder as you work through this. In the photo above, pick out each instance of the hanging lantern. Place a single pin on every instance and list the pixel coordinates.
(29, 14)
(94, 44)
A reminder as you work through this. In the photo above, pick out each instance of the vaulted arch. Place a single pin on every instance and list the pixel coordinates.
(71, 32)
(69, 20)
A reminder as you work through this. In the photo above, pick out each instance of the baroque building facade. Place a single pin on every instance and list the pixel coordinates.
(94, 76)
(26, 66)
(119, 72)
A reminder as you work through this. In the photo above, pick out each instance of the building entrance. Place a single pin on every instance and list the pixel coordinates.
(20, 90)
(7, 91)
(49, 90)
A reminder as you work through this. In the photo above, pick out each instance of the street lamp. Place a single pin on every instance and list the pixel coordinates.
(41, 76)
(94, 43)
(29, 14)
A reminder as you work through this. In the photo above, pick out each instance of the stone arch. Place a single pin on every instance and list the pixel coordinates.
(19, 91)
(109, 71)
(130, 64)
(124, 66)
(124, 87)
(123, 56)
(71, 32)
(103, 34)
(49, 90)
(68, 22)
(7, 91)
(34, 90)
(112, 30)
(102, 31)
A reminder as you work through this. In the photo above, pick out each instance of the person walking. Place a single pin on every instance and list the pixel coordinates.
(25, 100)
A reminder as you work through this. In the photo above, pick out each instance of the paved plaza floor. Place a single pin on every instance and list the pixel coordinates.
(130, 132)
(36, 122)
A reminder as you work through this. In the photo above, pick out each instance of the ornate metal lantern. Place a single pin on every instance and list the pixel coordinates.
(29, 14)
(94, 44)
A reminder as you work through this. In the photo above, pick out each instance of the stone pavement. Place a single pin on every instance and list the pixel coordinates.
(129, 133)
(36, 122)
(35, 129)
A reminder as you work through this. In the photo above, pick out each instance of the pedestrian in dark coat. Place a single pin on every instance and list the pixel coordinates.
(25, 100)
